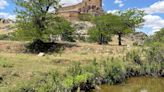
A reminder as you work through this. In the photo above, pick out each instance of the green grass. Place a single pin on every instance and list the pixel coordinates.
(74, 66)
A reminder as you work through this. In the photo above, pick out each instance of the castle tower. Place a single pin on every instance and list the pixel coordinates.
(97, 3)
(93, 7)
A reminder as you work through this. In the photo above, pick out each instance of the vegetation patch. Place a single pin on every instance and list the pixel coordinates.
(5, 64)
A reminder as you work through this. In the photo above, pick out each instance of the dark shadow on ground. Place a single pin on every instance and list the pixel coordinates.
(38, 46)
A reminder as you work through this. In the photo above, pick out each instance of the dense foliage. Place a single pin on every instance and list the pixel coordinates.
(156, 40)
(35, 21)
(120, 23)
(86, 17)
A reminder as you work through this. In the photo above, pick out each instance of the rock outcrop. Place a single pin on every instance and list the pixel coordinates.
(6, 24)
(138, 38)
(81, 29)
(93, 7)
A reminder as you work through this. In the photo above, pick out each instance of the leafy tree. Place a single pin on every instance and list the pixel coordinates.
(156, 40)
(86, 17)
(133, 18)
(100, 33)
(116, 25)
(126, 22)
(119, 23)
(63, 28)
(35, 21)
(94, 36)
(159, 36)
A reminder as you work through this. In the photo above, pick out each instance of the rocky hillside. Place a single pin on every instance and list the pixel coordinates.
(81, 29)
(6, 26)
(138, 38)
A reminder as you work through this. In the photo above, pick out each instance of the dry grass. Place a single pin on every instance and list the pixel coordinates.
(17, 67)
(4, 31)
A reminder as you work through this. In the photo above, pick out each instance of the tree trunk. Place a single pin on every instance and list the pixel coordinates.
(119, 39)
(101, 39)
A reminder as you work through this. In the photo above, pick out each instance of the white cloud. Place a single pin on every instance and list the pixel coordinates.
(112, 11)
(153, 22)
(7, 16)
(157, 7)
(3, 4)
(69, 2)
(119, 2)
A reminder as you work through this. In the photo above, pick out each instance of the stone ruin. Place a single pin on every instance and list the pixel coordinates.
(72, 12)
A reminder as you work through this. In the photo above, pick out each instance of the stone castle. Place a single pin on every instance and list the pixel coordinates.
(93, 7)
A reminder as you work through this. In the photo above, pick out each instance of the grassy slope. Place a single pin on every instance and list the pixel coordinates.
(2, 31)
(17, 68)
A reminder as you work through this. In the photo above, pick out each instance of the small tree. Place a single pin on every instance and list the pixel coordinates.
(117, 26)
(159, 36)
(126, 22)
(86, 17)
(120, 23)
(101, 32)
(94, 36)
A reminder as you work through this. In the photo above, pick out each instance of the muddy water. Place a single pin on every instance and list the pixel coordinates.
(137, 84)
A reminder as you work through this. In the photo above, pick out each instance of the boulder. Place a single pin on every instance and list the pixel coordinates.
(41, 54)
(81, 29)
(138, 38)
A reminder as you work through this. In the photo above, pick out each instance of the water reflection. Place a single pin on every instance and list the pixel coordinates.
(137, 84)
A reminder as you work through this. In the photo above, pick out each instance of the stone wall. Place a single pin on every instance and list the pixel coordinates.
(86, 6)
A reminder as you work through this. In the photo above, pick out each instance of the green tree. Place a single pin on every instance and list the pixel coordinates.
(133, 18)
(119, 23)
(116, 25)
(159, 36)
(101, 32)
(96, 35)
(86, 17)
(126, 22)
(35, 21)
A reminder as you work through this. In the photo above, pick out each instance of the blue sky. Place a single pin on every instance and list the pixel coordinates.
(154, 20)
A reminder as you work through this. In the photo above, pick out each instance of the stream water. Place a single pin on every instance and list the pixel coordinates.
(136, 84)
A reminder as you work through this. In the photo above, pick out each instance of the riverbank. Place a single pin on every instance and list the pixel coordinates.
(83, 67)
(135, 84)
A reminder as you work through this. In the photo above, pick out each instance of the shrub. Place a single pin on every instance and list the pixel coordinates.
(4, 37)
(94, 36)
(93, 67)
(39, 46)
(114, 71)
(79, 79)
(86, 17)
(68, 82)
(75, 69)
(5, 64)
(134, 56)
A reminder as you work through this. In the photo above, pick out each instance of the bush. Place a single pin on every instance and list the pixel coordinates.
(38, 46)
(75, 69)
(9, 36)
(86, 17)
(93, 67)
(67, 36)
(4, 37)
(5, 64)
(95, 36)
(134, 56)
(114, 70)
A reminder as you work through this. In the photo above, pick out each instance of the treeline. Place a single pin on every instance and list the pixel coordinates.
(35, 21)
